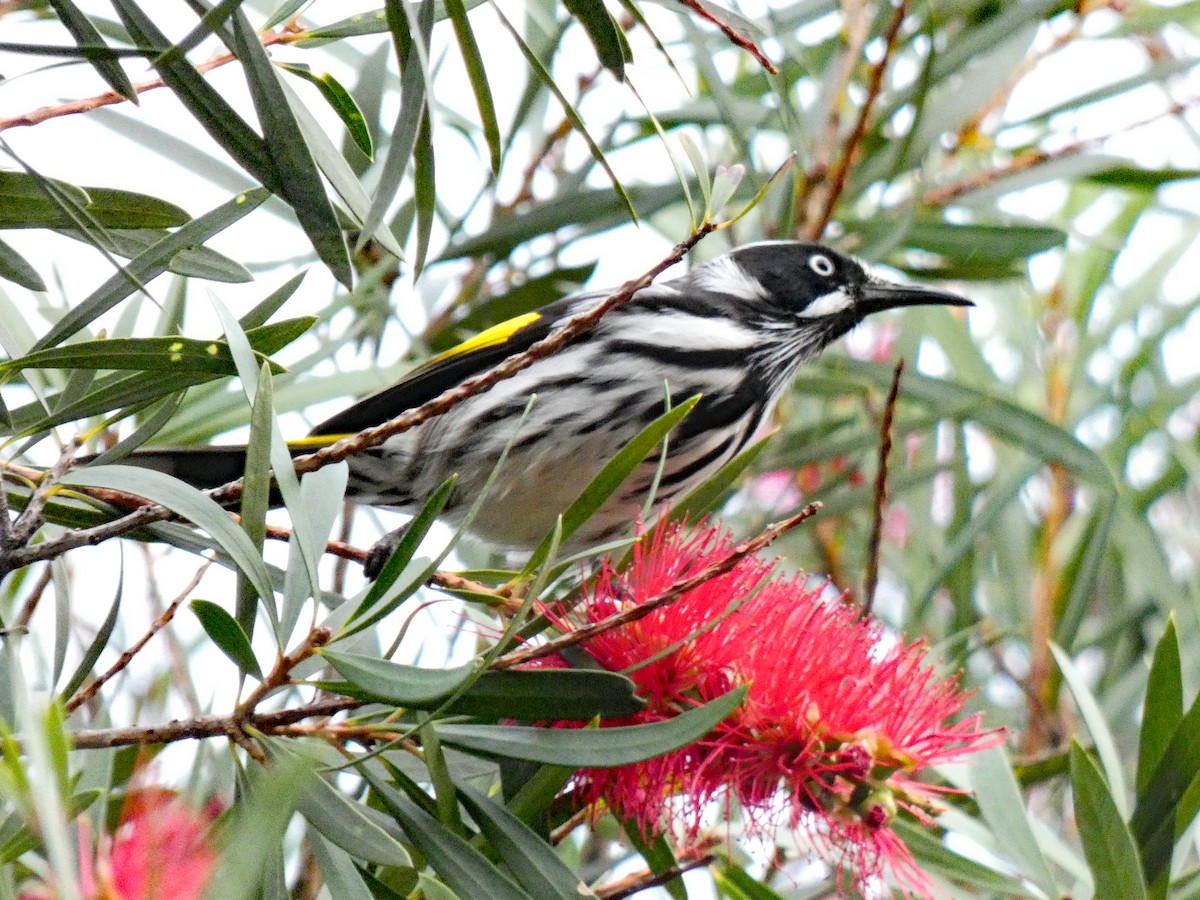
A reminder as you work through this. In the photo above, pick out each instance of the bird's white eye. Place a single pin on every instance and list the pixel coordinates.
(820, 264)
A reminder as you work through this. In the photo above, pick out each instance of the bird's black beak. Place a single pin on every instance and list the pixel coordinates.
(880, 295)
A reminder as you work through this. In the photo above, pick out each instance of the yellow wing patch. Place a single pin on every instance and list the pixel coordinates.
(489, 337)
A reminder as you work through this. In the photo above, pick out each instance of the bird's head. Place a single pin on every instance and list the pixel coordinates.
(809, 289)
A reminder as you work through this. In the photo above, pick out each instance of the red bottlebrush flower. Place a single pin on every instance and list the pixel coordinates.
(837, 723)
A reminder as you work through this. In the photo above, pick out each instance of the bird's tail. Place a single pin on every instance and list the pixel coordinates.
(201, 467)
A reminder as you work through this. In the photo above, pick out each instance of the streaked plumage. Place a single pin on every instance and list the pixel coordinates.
(734, 331)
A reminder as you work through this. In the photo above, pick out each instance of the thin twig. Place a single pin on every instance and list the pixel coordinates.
(585, 633)
(111, 98)
(35, 597)
(127, 657)
(646, 879)
(732, 34)
(871, 581)
(30, 520)
(837, 180)
(202, 727)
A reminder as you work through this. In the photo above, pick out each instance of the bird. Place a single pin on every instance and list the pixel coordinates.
(734, 331)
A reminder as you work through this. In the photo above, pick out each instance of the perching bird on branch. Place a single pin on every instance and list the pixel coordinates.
(734, 331)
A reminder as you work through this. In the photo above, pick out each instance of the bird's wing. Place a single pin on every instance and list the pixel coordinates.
(454, 366)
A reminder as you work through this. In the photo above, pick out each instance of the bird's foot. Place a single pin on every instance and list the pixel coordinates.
(381, 552)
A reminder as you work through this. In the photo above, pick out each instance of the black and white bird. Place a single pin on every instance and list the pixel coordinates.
(734, 331)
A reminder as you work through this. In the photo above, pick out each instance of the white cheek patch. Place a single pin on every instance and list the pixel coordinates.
(724, 276)
(827, 305)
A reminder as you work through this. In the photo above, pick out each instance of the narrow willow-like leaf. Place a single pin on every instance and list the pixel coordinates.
(568, 110)
(381, 598)
(603, 32)
(356, 828)
(473, 62)
(230, 638)
(1163, 709)
(413, 109)
(465, 870)
(299, 182)
(1003, 809)
(203, 101)
(86, 35)
(150, 264)
(15, 268)
(533, 862)
(1004, 418)
(599, 748)
(341, 101)
(26, 203)
(164, 355)
(189, 503)
(195, 262)
(340, 876)
(1102, 736)
(1107, 841)
(390, 682)
(92, 655)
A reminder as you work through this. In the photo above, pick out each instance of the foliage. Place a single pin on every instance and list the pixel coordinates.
(257, 238)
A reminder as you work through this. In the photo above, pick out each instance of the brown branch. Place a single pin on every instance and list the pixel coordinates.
(152, 513)
(585, 633)
(202, 727)
(111, 98)
(646, 879)
(837, 180)
(35, 597)
(127, 657)
(871, 580)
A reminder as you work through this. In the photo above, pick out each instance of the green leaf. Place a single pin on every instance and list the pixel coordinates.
(401, 574)
(25, 203)
(549, 695)
(195, 262)
(593, 747)
(163, 355)
(340, 876)
(230, 638)
(1168, 803)
(1102, 737)
(92, 655)
(473, 62)
(1107, 841)
(610, 478)
(298, 181)
(569, 111)
(86, 35)
(341, 101)
(15, 268)
(189, 503)
(358, 829)
(464, 869)
(934, 856)
(1003, 809)
(603, 32)
(534, 864)
(149, 264)
(533, 695)
(1164, 705)
(202, 100)
(705, 497)
(397, 684)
